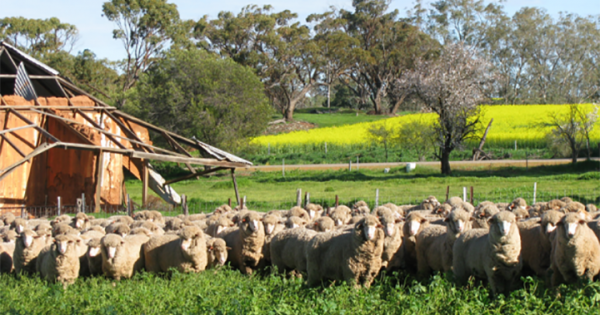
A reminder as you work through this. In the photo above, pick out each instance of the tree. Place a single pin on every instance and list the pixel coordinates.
(281, 51)
(382, 134)
(574, 128)
(194, 93)
(417, 135)
(38, 37)
(451, 86)
(145, 27)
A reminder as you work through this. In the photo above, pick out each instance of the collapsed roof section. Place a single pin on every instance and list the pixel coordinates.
(101, 140)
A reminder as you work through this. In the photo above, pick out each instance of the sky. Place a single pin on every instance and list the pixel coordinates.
(95, 31)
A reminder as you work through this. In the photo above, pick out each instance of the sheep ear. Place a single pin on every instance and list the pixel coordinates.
(78, 241)
(398, 220)
(227, 248)
(380, 226)
(423, 220)
(359, 226)
(446, 219)
(582, 221)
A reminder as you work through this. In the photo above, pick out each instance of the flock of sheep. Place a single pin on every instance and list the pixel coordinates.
(555, 240)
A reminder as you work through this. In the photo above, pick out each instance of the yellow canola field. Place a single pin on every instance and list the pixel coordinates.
(511, 122)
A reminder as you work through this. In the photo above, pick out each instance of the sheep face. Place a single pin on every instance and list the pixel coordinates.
(367, 227)
(414, 222)
(111, 245)
(324, 224)
(218, 249)
(19, 225)
(190, 237)
(27, 238)
(80, 220)
(518, 203)
(550, 221)
(502, 225)
(456, 221)
(65, 244)
(571, 224)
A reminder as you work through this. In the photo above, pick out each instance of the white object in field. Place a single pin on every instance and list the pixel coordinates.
(410, 167)
(386, 170)
(167, 193)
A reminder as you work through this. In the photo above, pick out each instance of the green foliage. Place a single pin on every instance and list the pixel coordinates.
(230, 292)
(336, 119)
(194, 93)
(38, 37)
(418, 136)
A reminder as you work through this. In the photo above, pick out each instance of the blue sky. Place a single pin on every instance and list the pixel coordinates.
(95, 31)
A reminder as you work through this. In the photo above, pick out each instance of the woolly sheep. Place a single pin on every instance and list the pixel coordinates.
(7, 218)
(122, 256)
(314, 211)
(61, 219)
(299, 212)
(324, 224)
(435, 243)
(536, 243)
(118, 228)
(175, 224)
(27, 248)
(9, 236)
(94, 256)
(60, 261)
(216, 252)
(294, 222)
(288, 250)
(352, 256)
(576, 251)
(221, 224)
(392, 255)
(360, 203)
(341, 215)
(6, 259)
(413, 225)
(518, 203)
(555, 204)
(223, 209)
(150, 226)
(19, 225)
(63, 229)
(127, 220)
(185, 251)
(521, 214)
(566, 200)
(80, 222)
(246, 242)
(482, 215)
(493, 254)
(590, 207)
(272, 228)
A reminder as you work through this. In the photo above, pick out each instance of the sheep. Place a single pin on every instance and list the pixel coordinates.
(7, 218)
(81, 222)
(6, 259)
(18, 225)
(44, 230)
(576, 251)
(392, 255)
(150, 226)
(246, 242)
(494, 254)
(435, 243)
(127, 220)
(361, 211)
(60, 261)
(299, 212)
(353, 255)
(185, 251)
(536, 243)
(590, 207)
(100, 222)
(272, 228)
(94, 256)
(9, 236)
(482, 215)
(216, 252)
(122, 256)
(455, 202)
(294, 222)
(324, 224)
(537, 209)
(221, 224)
(118, 228)
(314, 211)
(443, 210)
(63, 229)
(566, 200)
(502, 206)
(521, 214)
(413, 225)
(360, 203)
(518, 203)
(61, 219)
(555, 204)
(89, 234)
(27, 248)
(574, 207)
(341, 215)
(223, 209)
(175, 224)
(288, 250)
(395, 209)
(144, 231)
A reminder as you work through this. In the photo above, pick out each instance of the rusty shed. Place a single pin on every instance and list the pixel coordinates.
(56, 140)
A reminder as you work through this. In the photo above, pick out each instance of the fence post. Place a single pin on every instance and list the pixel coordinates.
(129, 210)
(58, 205)
(82, 203)
(357, 163)
(184, 205)
(78, 204)
(350, 165)
(515, 145)
(283, 167)
(534, 192)
(472, 195)
(299, 197)
(269, 149)
(464, 194)
(22, 212)
(337, 201)
(376, 198)
(447, 192)
(325, 147)
(306, 199)
(243, 203)
(229, 202)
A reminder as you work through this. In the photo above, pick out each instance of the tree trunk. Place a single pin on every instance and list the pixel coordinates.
(289, 111)
(446, 162)
(589, 150)
(574, 154)
(397, 104)
(328, 95)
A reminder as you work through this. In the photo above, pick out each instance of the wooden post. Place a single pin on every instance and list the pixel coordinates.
(299, 197)
(243, 204)
(184, 205)
(82, 208)
(464, 194)
(471, 194)
(325, 147)
(46, 206)
(306, 199)
(482, 142)
(99, 175)
(269, 149)
(129, 206)
(447, 192)
(534, 192)
(58, 204)
(237, 194)
(229, 202)
(283, 168)
(145, 184)
(515, 145)
(377, 198)
(337, 201)
(350, 165)
(22, 212)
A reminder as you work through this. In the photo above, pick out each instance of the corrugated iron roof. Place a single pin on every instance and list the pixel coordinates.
(220, 154)
(29, 58)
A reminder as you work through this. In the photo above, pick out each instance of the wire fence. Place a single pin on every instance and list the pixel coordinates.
(585, 196)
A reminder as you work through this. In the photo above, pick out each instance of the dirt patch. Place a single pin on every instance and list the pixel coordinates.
(286, 127)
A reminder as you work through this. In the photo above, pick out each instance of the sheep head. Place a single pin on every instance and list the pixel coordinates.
(191, 237)
(111, 245)
(19, 225)
(299, 212)
(223, 223)
(313, 210)
(269, 223)
(457, 222)
(571, 224)
(387, 219)
(294, 222)
(415, 222)
(94, 247)
(80, 220)
(27, 237)
(341, 215)
(250, 222)
(502, 226)
(9, 236)
(366, 228)
(66, 244)
(324, 224)
(550, 220)
(217, 249)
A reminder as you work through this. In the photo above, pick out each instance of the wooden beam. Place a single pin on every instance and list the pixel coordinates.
(81, 136)
(145, 184)
(99, 175)
(40, 129)
(39, 150)
(56, 108)
(91, 121)
(16, 128)
(12, 145)
(35, 77)
(175, 180)
(80, 91)
(126, 129)
(177, 147)
(237, 194)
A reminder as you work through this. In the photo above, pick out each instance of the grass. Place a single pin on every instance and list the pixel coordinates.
(229, 292)
(338, 119)
(269, 190)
